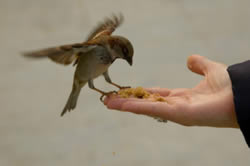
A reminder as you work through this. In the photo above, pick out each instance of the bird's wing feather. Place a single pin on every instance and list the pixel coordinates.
(65, 54)
(107, 27)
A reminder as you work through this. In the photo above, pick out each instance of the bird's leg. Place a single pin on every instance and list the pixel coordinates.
(120, 87)
(91, 86)
(107, 78)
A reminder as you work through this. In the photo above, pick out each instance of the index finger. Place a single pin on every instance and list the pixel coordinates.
(141, 106)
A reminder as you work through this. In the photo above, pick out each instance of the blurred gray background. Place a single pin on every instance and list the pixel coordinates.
(164, 34)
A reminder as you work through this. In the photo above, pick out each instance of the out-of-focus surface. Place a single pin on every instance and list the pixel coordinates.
(164, 34)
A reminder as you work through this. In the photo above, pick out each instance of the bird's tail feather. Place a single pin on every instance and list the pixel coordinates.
(72, 100)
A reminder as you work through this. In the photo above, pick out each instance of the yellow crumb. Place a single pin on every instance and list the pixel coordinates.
(140, 93)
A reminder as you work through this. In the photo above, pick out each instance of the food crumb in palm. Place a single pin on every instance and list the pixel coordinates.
(158, 97)
(140, 93)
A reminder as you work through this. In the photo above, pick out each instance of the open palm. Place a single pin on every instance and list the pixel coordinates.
(210, 103)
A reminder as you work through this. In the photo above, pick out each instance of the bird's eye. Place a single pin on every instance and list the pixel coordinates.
(125, 51)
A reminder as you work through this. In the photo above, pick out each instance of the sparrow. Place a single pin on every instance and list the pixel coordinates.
(92, 57)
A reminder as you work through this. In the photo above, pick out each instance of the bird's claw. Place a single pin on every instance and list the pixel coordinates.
(107, 94)
(124, 87)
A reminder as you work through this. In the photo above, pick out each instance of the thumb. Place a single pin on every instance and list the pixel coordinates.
(199, 64)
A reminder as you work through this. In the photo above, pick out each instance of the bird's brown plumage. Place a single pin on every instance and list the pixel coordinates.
(67, 54)
(107, 27)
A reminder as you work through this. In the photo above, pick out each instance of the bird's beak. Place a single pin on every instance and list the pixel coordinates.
(129, 60)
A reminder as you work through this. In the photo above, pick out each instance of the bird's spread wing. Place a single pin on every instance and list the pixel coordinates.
(106, 27)
(65, 54)
(68, 54)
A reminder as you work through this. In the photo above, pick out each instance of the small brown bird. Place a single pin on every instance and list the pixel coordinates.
(92, 57)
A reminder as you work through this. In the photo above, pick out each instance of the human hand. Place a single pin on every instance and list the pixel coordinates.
(210, 103)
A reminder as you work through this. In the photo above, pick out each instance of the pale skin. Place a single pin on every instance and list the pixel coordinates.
(209, 103)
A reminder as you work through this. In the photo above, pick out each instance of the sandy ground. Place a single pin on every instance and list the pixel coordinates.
(164, 34)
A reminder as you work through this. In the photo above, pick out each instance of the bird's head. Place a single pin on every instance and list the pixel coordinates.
(123, 48)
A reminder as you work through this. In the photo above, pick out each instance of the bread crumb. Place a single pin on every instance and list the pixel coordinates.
(140, 93)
